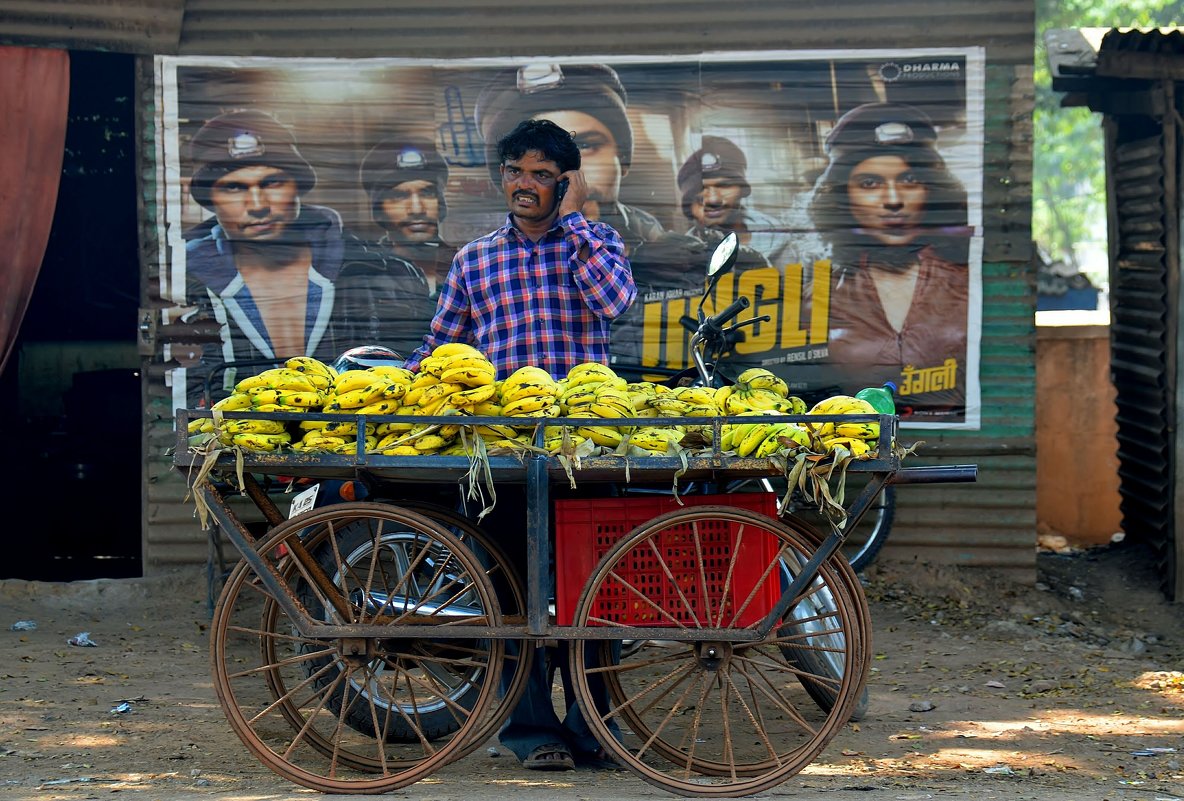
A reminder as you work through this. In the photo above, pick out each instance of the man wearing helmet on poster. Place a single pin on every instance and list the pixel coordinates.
(391, 300)
(896, 218)
(590, 101)
(713, 185)
(263, 266)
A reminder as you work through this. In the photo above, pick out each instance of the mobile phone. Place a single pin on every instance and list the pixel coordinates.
(561, 190)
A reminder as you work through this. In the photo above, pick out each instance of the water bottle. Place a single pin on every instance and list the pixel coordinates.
(880, 397)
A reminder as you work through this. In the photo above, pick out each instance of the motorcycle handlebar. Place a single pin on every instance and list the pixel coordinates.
(734, 308)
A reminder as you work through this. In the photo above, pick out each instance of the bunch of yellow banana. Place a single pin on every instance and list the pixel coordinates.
(845, 404)
(859, 448)
(467, 369)
(763, 439)
(366, 392)
(760, 378)
(657, 440)
(530, 392)
(319, 373)
(583, 382)
(643, 393)
(561, 439)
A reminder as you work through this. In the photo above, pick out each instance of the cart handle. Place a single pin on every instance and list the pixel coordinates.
(936, 474)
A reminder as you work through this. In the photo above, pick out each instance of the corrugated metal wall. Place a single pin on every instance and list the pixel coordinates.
(1144, 325)
(991, 523)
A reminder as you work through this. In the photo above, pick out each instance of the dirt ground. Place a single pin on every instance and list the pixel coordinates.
(1069, 689)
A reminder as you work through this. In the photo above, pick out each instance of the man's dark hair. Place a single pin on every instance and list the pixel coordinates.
(544, 137)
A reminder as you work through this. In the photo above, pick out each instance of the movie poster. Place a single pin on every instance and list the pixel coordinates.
(313, 205)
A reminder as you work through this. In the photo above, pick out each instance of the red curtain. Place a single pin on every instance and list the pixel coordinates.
(34, 96)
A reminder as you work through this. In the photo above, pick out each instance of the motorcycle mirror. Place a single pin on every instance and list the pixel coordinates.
(721, 262)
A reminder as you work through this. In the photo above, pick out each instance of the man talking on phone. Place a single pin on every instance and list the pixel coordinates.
(541, 290)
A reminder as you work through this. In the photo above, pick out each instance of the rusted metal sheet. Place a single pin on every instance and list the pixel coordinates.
(357, 28)
(128, 26)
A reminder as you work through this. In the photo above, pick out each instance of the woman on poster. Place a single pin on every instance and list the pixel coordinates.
(896, 220)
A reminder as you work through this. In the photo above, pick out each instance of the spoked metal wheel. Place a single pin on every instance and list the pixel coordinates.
(720, 717)
(320, 711)
(512, 598)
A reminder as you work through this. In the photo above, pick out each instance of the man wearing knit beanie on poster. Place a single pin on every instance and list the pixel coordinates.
(391, 301)
(713, 185)
(263, 266)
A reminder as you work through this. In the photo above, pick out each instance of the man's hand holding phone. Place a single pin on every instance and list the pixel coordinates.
(571, 190)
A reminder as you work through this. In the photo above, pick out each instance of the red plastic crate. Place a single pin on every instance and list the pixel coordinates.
(586, 529)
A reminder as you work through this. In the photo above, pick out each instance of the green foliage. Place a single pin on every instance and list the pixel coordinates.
(1068, 180)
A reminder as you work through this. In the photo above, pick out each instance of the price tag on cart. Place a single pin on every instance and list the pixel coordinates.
(304, 501)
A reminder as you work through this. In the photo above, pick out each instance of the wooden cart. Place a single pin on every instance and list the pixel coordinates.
(357, 647)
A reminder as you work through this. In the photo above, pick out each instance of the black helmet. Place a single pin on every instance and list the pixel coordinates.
(365, 356)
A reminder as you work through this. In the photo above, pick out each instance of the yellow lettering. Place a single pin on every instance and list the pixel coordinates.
(820, 302)
(792, 335)
(763, 287)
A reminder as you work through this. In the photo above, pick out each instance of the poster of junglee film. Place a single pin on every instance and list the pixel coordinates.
(314, 205)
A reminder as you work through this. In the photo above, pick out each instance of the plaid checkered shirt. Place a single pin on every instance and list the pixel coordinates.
(535, 303)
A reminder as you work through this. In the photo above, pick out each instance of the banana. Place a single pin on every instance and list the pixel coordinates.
(696, 396)
(842, 404)
(397, 375)
(394, 391)
(760, 378)
(578, 395)
(236, 402)
(489, 408)
(357, 398)
(315, 439)
(261, 395)
(753, 438)
(416, 390)
(657, 440)
(858, 430)
(378, 407)
(796, 405)
(601, 435)
(772, 443)
(496, 431)
(670, 406)
(611, 409)
(437, 392)
(449, 349)
(526, 405)
(306, 400)
(262, 442)
(547, 389)
(253, 426)
(259, 381)
(401, 450)
(526, 375)
(469, 376)
(589, 372)
(468, 398)
(429, 442)
(856, 447)
(721, 398)
(310, 366)
(312, 425)
(352, 380)
(433, 365)
(202, 425)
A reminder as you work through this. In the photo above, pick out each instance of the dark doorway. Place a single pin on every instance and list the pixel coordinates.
(71, 390)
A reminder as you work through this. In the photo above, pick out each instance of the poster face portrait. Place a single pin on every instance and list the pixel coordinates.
(315, 205)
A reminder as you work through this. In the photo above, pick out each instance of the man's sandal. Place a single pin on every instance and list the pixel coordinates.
(551, 756)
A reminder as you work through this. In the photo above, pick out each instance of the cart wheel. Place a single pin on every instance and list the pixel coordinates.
(295, 702)
(719, 717)
(511, 595)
